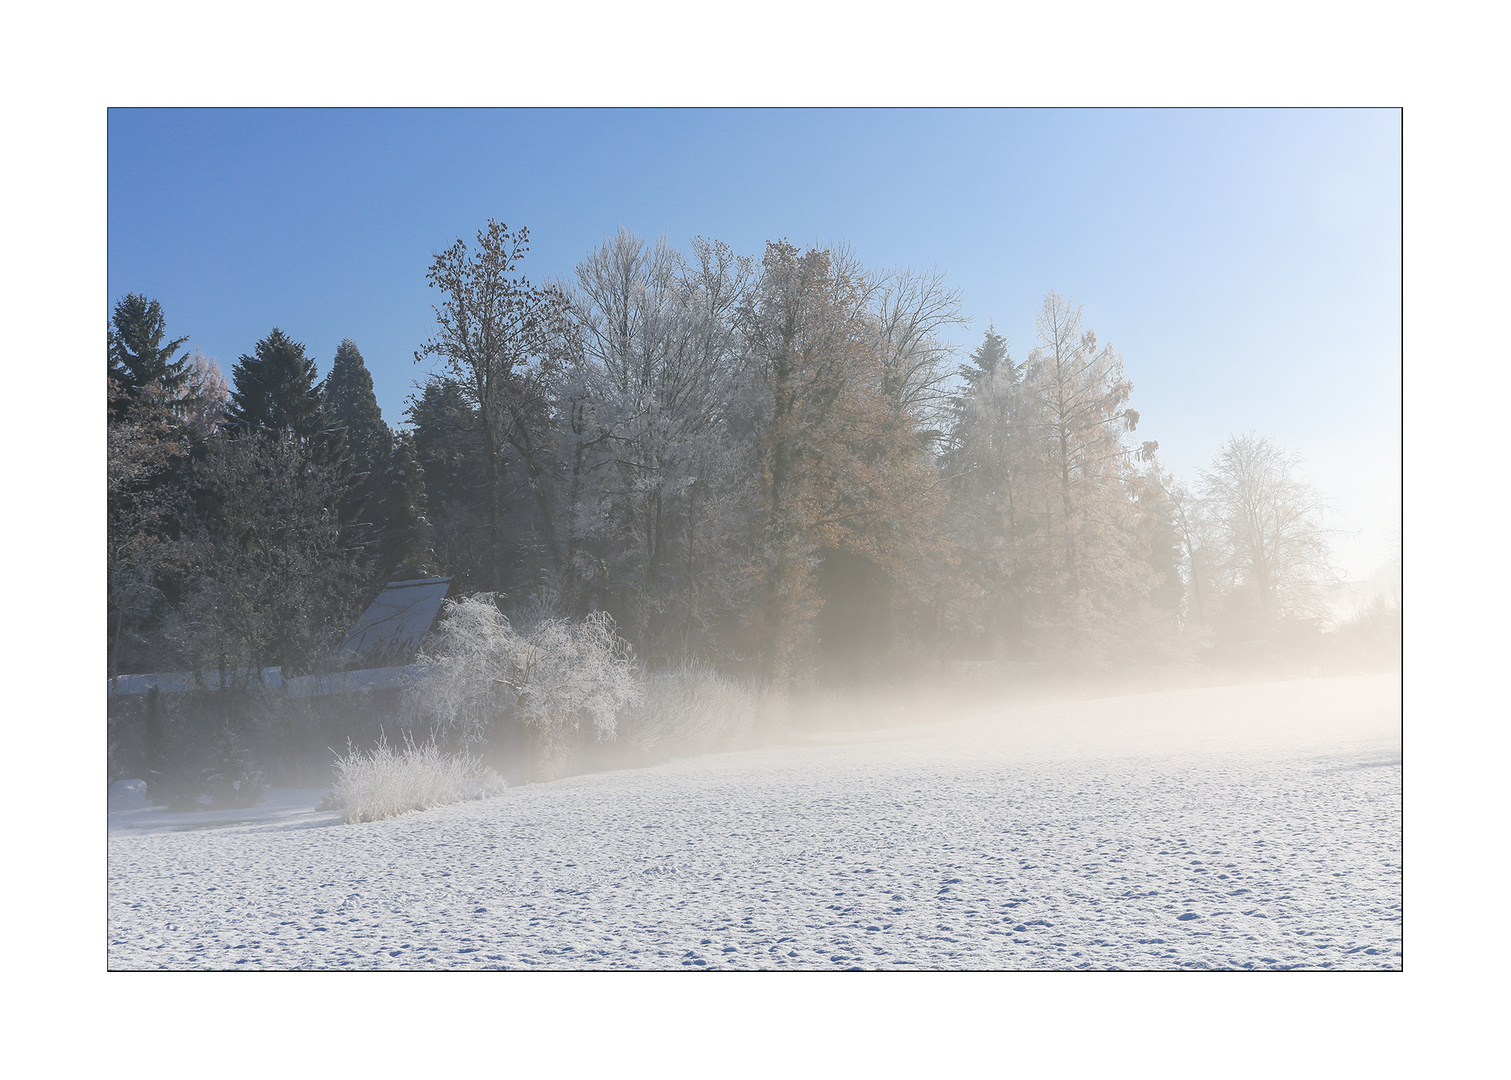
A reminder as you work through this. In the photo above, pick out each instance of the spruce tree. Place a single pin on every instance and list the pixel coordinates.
(352, 406)
(407, 549)
(351, 409)
(448, 445)
(138, 356)
(276, 391)
(989, 457)
(988, 357)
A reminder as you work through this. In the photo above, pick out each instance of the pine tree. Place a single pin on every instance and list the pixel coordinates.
(990, 355)
(138, 357)
(448, 445)
(276, 391)
(448, 448)
(408, 544)
(988, 464)
(352, 406)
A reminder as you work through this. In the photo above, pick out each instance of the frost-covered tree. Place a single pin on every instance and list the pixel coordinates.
(1091, 561)
(847, 482)
(205, 396)
(554, 675)
(644, 429)
(988, 465)
(145, 452)
(1273, 558)
(912, 312)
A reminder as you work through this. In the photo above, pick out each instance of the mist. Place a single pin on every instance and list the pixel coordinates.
(752, 603)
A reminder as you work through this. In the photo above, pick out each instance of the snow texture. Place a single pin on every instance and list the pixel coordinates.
(1241, 827)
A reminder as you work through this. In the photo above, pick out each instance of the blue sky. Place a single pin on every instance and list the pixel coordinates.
(1246, 263)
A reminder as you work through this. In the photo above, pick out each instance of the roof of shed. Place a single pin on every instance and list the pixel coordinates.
(394, 625)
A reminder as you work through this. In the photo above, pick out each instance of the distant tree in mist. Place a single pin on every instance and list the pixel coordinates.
(1272, 557)
(1092, 560)
(912, 313)
(1045, 493)
(847, 481)
(650, 463)
(986, 464)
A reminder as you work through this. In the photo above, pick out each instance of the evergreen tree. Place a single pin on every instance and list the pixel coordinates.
(351, 409)
(990, 355)
(448, 445)
(275, 390)
(269, 580)
(352, 406)
(138, 356)
(988, 464)
(448, 448)
(408, 544)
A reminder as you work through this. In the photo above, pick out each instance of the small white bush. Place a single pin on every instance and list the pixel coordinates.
(387, 781)
(556, 675)
(688, 712)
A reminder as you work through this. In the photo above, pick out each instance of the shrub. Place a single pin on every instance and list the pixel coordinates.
(554, 676)
(387, 781)
(690, 712)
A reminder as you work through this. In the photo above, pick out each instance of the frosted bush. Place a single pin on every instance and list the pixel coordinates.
(555, 676)
(386, 781)
(690, 711)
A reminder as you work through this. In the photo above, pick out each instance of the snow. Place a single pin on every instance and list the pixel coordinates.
(1254, 826)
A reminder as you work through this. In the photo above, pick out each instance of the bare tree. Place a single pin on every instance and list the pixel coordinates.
(1193, 531)
(912, 312)
(1274, 553)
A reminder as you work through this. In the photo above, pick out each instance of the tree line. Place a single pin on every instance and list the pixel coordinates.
(777, 467)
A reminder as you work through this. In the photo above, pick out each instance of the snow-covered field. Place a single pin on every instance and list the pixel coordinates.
(1237, 827)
